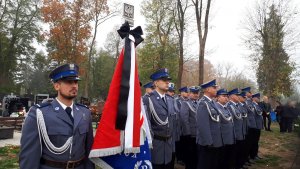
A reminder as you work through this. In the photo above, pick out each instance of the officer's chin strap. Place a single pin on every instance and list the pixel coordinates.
(43, 135)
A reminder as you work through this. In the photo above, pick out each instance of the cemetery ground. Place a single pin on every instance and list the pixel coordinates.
(279, 151)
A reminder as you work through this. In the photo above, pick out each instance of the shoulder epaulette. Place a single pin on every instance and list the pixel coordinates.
(169, 96)
(202, 99)
(150, 94)
(41, 105)
(82, 105)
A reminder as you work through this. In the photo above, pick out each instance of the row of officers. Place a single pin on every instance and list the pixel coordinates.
(220, 130)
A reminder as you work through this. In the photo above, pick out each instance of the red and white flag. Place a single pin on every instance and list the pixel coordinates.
(123, 127)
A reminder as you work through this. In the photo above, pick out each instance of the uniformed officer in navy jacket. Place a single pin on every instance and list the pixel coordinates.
(148, 89)
(160, 110)
(259, 122)
(184, 95)
(253, 125)
(209, 138)
(176, 136)
(238, 127)
(227, 130)
(188, 121)
(244, 110)
(58, 134)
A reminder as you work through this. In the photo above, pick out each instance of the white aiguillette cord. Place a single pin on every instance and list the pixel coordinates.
(44, 135)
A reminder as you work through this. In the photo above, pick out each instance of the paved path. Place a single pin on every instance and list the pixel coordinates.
(14, 141)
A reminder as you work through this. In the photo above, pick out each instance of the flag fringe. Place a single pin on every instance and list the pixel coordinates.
(105, 152)
(132, 150)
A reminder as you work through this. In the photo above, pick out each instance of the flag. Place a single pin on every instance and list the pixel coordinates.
(123, 137)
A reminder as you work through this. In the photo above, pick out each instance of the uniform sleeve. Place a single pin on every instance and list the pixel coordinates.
(30, 153)
(184, 118)
(203, 125)
(88, 146)
(145, 100)
(148, 114)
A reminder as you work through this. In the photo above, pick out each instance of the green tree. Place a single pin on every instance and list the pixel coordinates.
(18, 30)
(269, 31)
(103, 69)
(39, 75)
(160, 48)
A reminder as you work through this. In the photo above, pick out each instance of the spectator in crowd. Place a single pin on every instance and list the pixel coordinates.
(266, 108)
(278, 111)
(288, 115)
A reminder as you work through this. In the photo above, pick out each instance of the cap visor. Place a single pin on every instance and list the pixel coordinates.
(165, 78)
(71, 78)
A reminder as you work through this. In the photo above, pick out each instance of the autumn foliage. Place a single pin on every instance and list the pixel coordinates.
(69, 29)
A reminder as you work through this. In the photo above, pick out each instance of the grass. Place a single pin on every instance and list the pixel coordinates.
(9, 157)
(277, 149)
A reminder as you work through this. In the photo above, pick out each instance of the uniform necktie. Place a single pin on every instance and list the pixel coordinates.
(69, 111)
(163, 98)
(225, 108)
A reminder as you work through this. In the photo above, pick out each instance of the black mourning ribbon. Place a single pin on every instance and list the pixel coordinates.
(124, 32)
(137, 33)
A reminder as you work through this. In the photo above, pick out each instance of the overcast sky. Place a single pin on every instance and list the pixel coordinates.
(224, 41)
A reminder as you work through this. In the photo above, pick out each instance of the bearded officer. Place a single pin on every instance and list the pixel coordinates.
(58, 134)
(160, 110)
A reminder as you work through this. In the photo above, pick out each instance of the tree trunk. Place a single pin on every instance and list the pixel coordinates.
(202, 37)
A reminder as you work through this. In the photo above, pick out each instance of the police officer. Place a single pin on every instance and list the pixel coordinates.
(238, 127)
(58, 134)
(252, 125)
(188, 121)
(175, 135)
(184, 95)
(179, 145)
(160, 110)
(227, 130)
(171, 90)
(259, 123)
(209, 140)
(148, 89)
(243, 109)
